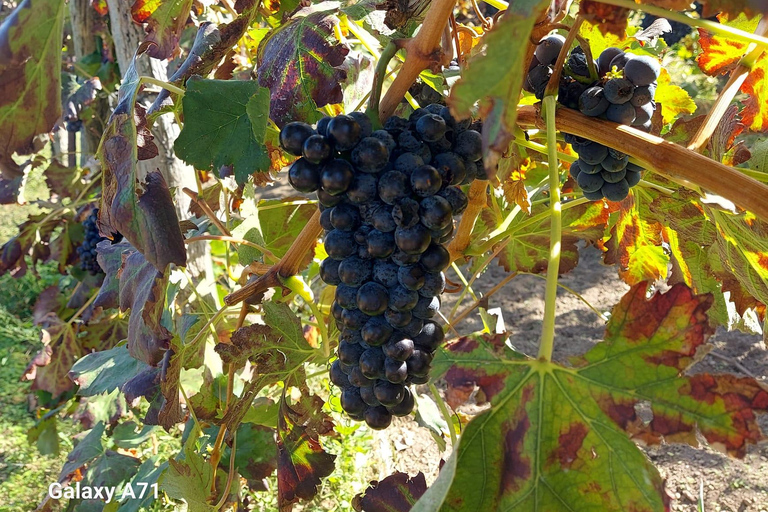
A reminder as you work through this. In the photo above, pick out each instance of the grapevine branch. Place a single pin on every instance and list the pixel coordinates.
(477, 202)
(661, 156)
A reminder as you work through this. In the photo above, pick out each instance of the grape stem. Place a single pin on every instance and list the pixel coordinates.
(711, 26)
(477, 201)
(290, 264)
(554, 81)
(556, 227)
(661, 156)
(165, 85)
(378, 81)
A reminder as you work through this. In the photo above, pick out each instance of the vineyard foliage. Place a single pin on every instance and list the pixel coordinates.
(231, 355)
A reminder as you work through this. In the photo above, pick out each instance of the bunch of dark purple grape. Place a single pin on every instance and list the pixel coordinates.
(87, 251)
(623, 93)
(387, 199)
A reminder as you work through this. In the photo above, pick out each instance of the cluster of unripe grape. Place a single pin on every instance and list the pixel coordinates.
(388, 198)
(623, 92)
(87, 250)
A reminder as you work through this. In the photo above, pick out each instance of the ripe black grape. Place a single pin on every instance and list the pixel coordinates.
(605, 58)
(622, 114)
(372, 299)
(316, 149)
(642, 70)
(344, 132)
(340, 244)
(394, 186)
(413, 240)
(469, 144)
(618, 90)
(304, 176)
(337, 175)
(345, 217)
(378, 418)
(354, 271)
(548, 49)
(329, 271)
(431, 127)
(616, 191)
(592, 102)
(590, 182)
(293, 135)
(370, 155)
(405, 407)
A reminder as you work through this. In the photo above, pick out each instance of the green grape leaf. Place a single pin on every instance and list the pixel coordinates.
(104, 371)
(526, 244)
(45, 435)
(221, 120)
(635, 240)
(599, 40)
(281, 223)
(87, 449)
(494, 78)
(147, 474)
(134, 283)
(165, 19)
(674, 100)
(189, 478)
(111, 469)
(277, 348)
(560, 438)
(396, 493)
(138, 206)
(300, 64)
(256, 455)
(30, 78)
(301, 460)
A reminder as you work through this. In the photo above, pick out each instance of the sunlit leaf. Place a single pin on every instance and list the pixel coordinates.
(396, 493)
(719, 53)
(165, 19)
(674, 100)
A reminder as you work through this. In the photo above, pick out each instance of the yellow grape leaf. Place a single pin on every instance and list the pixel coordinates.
(755, 113)
(719, 54)
(674, 100)
(597, 40)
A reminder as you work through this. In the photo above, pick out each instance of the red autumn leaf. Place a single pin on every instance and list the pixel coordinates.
(165, 20)
(396, 493)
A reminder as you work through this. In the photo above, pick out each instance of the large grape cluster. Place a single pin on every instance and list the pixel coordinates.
(623, 93)
(387, 199)
(87, 251)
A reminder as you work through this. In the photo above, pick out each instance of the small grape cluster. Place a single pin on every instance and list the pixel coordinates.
(87, 251)
(623, 93)
(387, 199)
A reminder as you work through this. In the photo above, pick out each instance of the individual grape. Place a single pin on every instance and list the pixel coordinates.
(386, 139)
(352, 402)
(400, 258)
(548, 49)
(634, 167)
(338, 377)
(385, 272)
(613, 164)
(366, 126)
(293, 135)
(372, 298)
(434, 284)
(589, 168)
(387, 393)
(435, 213)
(431, 336)
(642, 70)
(592, 102)
(469, 144)
(376, 331)
(590, 182)
(643, 95)
(406, 405)
(456, 198)
(345, 217)
(395, 371)
(354, 319)
(378, 418)
(435, 258)
(537, 80)
(337, 176)
(327, 200)
(616, 191)
(577, 62)
(569, 92)
(322, 126)
(361, 234)
(426, 307)
(418, 363)
(372, 363)
(402, 299)
(344, 132)
(574, 170)
(407, 141)
(396, 125)
(399, 347)
(363, 189)
(618, 90)
(431, 127)
(425, 181)
(408, 162)
(316, 149)
(398, 318)
(411, 277)
(632, 177)
(622, 114)
(394, 186)
(380, 245)
(304, 176)
(370, 155)
(357, 379)
(605, 58)
(350, 335)
(413, 328)
(336, 309)
(593, 196)
(329, 271)
(354, 271)
(613, 177)
(643, 114)
(382, 220)
(349, 353)
(413, 240)
(620, 60)
(340, 244)
(451, 167)
(592, 153)
(325, 218)
(369, 397)
(346, 296)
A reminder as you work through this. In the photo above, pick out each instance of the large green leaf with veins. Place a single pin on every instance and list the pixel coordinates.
(560, 438)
